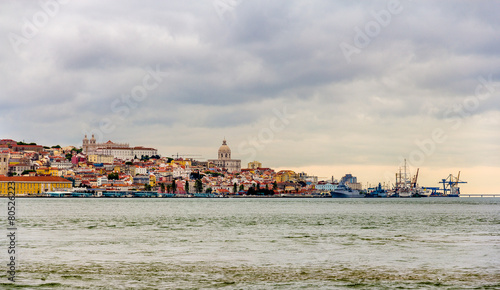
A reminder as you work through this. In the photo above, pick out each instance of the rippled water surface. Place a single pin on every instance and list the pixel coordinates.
(258, 243)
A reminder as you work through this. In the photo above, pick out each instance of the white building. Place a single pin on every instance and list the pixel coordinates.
(127, 153)
(326, 186)
(102, 180)
(118, 150)
(62, 164)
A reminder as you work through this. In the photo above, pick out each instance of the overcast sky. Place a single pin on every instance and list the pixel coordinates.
(324, 86)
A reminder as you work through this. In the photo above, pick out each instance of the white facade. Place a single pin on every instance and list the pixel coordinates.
(224, 160)
(140, 170)
(184, 173)
(326, 186)
(62, 165)
(102, 180)
(127, 153)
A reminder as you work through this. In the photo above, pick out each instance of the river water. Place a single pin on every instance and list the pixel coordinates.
(257, 243)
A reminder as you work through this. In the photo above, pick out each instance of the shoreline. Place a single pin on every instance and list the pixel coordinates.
(246, 196)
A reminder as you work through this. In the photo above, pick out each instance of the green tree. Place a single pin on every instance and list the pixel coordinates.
(162, 187)
(68, 156)
(186, 186)
(275, 185)
(113, 176)
(174, 187)
(147, 187)
(27, 171)
(242, 187)
(198, 185)
(169, 187)
(208, 190)
(57, 146)
(235, 187)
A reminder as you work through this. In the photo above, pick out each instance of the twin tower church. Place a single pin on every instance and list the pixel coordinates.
(124, 151)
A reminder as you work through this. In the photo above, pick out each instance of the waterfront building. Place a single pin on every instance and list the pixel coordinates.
(224, 160)
(4, 161)
(26, 185)
(102, 180)
(325, 186)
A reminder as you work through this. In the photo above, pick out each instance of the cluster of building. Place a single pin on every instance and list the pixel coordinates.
(104, 167)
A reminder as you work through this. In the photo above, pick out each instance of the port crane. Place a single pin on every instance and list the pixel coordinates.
(450, 185)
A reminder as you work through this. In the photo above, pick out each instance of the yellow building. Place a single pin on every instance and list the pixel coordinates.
(30, 185)
(182, 162)
(52, 171)
(152, 180)
(286, 175)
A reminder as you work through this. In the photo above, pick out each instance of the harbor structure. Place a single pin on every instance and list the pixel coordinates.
(450, 185)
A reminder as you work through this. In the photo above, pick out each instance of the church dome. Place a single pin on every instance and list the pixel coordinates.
(224, 151)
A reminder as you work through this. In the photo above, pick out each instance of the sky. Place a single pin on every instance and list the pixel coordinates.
(325, 87)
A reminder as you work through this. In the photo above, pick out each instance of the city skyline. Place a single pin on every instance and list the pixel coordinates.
(325, 88)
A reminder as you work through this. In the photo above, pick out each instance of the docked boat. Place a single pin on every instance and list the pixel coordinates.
(343, 191)
(377, 192)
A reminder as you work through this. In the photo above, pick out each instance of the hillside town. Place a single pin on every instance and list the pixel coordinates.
(118, 169)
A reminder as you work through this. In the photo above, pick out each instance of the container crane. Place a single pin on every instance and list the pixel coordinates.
(450, 184)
